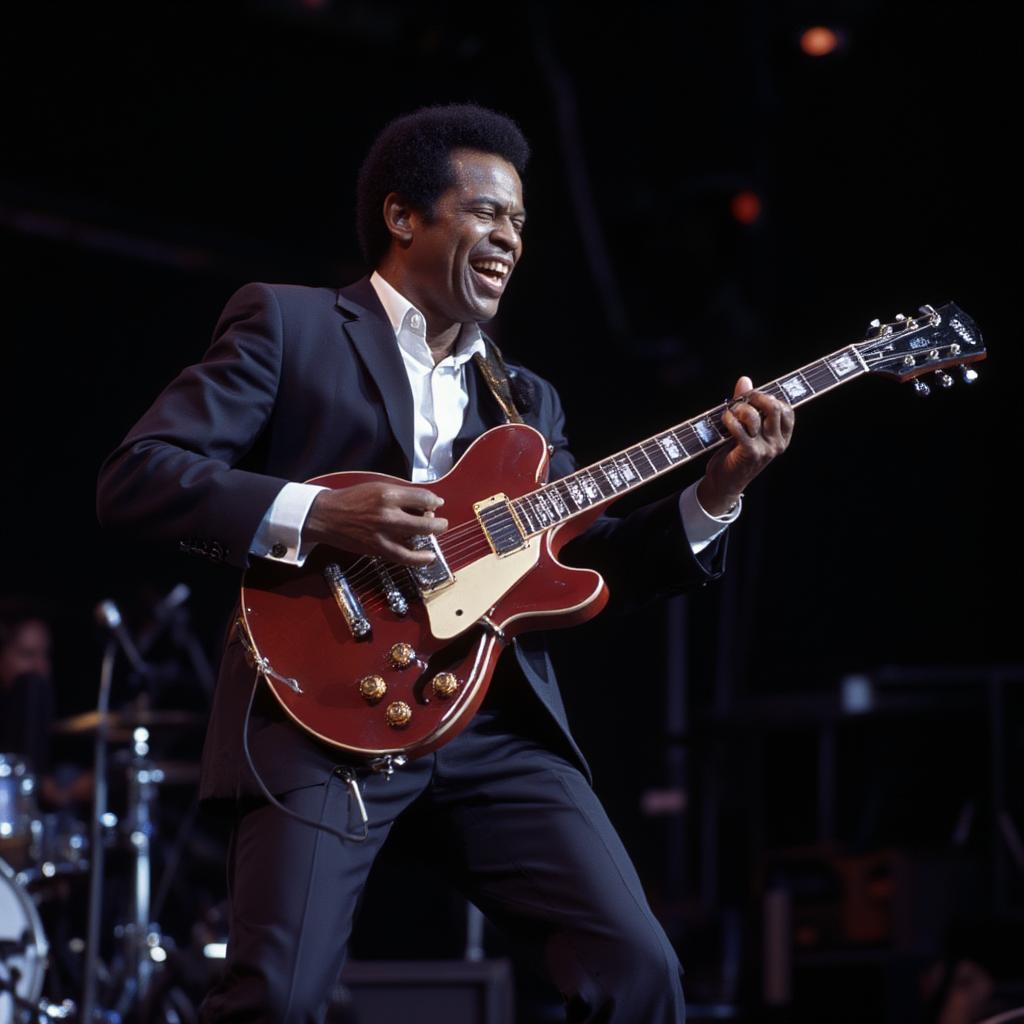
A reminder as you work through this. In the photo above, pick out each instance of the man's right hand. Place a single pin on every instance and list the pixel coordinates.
(375, 519)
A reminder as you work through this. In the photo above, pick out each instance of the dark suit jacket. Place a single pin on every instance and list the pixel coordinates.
(304, 381)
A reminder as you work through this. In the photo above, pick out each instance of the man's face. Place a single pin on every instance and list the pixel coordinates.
(28, 651)
(460, 260)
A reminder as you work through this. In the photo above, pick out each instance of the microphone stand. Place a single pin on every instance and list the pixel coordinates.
(99, 811)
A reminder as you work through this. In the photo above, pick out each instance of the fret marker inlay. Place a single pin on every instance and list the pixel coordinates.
(670, 447)
(843, 364)
(705, 431)
(794, 388)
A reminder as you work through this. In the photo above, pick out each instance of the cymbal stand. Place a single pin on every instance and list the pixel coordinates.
(38, 1012)
(143, 948)
(96, 847)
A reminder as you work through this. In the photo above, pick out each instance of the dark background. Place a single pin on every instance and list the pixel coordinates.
(157, 156)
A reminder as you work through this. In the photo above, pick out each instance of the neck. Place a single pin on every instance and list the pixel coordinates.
(441, 343)
(442, 333)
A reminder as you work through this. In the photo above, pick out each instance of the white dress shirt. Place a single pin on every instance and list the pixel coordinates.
(440, 398)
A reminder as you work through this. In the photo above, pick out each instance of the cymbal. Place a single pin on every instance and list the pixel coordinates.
(121, 724)
(170, 773)
(177, 773)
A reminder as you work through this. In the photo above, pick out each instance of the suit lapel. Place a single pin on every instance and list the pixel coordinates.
(370, 332)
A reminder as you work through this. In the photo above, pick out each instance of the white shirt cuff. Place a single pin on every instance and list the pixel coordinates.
(701, 527)
(279, 535)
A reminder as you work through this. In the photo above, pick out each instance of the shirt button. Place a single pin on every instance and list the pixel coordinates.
(416, 321)
(279, 550)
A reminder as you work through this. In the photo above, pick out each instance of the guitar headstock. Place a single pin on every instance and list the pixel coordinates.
(932, 341)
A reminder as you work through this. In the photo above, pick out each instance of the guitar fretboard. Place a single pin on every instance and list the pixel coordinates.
(564, 498)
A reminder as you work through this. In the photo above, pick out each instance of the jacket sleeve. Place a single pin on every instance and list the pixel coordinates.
(643, 555)
(176, 477)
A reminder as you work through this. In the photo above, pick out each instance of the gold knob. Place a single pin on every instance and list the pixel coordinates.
(401, 655)
(372, 687)
(444, 684)
(398, 714)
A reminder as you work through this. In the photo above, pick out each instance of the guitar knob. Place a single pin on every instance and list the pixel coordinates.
(401, 655)
(444, 684)
(398, 714)
(372, 687)
(922, 389)
(944, 379)
(969, 375)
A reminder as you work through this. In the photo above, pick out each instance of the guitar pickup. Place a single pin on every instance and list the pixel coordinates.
(345, 597)
(436, 575)
(501, 525)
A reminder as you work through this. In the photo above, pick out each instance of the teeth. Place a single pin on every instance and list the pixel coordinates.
(495, 266)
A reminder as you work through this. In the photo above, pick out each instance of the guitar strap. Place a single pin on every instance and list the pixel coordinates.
(493, 369)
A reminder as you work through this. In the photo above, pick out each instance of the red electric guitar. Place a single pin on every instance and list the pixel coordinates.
(389, 662)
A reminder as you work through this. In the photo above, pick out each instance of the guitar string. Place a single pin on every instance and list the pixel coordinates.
(469, 539)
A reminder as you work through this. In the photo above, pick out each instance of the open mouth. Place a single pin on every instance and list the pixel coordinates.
(492, 273)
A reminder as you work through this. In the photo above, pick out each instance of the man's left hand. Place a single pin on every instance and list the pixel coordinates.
(761, 427)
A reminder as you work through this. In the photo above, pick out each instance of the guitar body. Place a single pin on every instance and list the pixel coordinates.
(315, 663)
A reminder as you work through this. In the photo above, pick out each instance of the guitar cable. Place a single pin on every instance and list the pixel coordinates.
(345, 772)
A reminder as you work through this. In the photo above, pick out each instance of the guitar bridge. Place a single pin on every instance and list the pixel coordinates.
(437, 575)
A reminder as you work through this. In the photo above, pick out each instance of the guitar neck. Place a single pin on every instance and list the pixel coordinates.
(630, 468)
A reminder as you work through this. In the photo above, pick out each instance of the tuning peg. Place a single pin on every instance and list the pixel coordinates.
(922, 389)
(944, 378)
(873, 327)
(901, 316)
(969, 375)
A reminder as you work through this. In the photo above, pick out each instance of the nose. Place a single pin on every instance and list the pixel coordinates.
(506, 234)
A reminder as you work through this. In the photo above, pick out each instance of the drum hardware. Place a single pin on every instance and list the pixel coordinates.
(18, 809)
(121, 725)
(142, 949)
(23, 957)
(39, 1012)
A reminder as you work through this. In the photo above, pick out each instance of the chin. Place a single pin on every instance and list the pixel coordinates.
(479, 311)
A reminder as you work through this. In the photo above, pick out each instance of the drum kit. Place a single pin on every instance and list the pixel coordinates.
(45, 862)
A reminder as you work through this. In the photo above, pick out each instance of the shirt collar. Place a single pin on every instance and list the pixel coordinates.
(410, 326)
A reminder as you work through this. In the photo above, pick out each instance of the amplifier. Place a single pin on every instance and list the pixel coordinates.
(425, 991)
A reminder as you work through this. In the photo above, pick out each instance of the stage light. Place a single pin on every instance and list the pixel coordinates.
(819, 41)
(745, 206)
(857, 694)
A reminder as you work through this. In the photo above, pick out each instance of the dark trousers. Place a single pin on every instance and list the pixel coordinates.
(518, 830)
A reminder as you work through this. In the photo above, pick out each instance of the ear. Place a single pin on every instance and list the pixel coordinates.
(398, 217)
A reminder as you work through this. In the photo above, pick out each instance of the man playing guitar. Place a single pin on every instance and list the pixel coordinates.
(380, 376)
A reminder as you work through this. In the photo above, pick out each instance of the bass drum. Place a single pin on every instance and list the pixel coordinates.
(23, 947)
